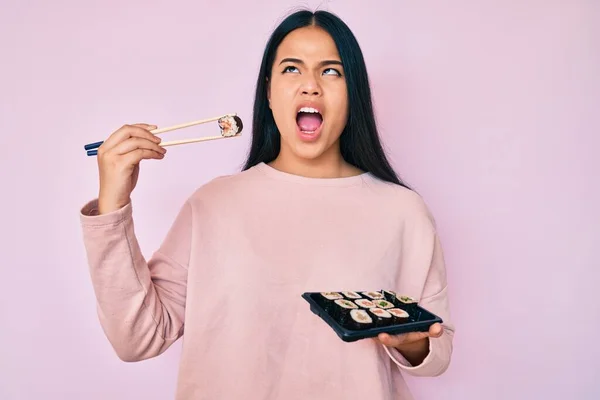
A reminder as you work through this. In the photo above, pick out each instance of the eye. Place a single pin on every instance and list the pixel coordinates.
(289, 68)
(332, 70)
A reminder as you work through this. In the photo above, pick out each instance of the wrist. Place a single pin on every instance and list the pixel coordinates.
(107, 205)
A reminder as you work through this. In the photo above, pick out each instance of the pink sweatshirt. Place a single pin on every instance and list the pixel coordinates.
(229, 275)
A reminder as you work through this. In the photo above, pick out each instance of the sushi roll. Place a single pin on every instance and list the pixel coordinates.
(383, 304)
(373, 295)
(365, 303)
(407, 302)
(399, 314)
(342, 311)
(351, 295)
(326, 301)
(389, 295)
(230, 125)
(406, 299)
(346, 304)
(360, 319)
(382, 317)
(332, 295)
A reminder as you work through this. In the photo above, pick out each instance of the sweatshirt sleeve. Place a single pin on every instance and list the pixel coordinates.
(426, 258)
(140, 304)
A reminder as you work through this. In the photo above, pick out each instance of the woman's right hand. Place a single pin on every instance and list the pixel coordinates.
(118, 163)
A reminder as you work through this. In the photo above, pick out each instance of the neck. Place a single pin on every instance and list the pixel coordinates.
(329, 165)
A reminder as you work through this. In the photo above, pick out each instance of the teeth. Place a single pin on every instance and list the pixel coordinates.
(309, 110)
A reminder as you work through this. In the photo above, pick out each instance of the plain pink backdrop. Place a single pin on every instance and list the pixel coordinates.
(489, 109)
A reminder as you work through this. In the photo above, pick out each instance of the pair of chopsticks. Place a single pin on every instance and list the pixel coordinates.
(92, 148)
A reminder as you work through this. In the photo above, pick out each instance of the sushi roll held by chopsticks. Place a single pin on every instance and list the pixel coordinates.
(230, 125)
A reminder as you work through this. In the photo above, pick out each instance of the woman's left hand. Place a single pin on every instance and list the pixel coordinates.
(414, 346)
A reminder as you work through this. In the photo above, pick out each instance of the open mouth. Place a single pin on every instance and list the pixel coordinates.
(309, 120)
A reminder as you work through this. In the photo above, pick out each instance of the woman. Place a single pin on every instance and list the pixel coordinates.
(316, 208)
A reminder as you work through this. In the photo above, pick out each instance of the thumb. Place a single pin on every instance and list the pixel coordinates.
(436, 330)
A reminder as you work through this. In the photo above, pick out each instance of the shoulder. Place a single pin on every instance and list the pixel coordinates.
(225, 188)
(403, 204)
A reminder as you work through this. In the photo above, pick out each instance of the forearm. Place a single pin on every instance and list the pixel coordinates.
(134, 317)
(140, 318)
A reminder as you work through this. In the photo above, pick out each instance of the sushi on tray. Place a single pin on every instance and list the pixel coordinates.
(355, 315)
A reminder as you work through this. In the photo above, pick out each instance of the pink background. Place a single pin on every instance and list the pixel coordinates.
(490, 109)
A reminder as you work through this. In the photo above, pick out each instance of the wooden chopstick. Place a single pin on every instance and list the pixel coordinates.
(187, 124)
(202, 139)
(94, 152)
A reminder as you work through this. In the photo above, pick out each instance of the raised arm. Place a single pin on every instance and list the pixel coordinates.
(140, 303)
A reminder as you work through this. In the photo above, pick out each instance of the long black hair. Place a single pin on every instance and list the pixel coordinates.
(359, 142)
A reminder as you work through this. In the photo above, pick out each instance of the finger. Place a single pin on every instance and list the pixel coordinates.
(128, 131)
(436, 330)
(148, 127)
(396, 340)
(135, 143)
(135, 156)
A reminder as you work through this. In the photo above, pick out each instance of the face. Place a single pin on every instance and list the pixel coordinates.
(308, 95)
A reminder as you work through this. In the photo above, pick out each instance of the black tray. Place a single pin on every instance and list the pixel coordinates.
(339, 319)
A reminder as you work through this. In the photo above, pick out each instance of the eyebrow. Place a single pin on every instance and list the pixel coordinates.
(321, 64)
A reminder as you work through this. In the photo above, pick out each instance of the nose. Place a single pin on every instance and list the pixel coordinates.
(310, 86)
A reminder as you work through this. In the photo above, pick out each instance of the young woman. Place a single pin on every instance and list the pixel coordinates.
(316, 208)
